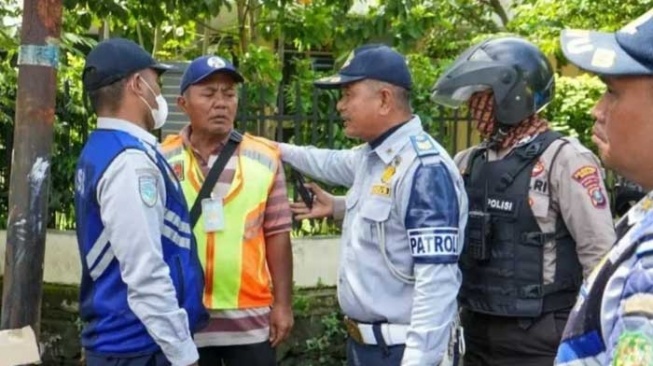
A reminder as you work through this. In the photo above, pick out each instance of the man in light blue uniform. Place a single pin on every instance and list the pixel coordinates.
(142, 283)
(404, 221)
(612, 322)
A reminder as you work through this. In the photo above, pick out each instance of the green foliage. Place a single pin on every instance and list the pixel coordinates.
(263, 71)
(317, 227)
(570, 110)
(322, 347)
(543, 20)
(424, 74)
(431, 34)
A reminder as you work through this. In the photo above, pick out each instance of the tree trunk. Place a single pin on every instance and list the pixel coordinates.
(500, 11)
(106, 28)
(253, 16)
(157, 40)
(139, 31)
(206, 40)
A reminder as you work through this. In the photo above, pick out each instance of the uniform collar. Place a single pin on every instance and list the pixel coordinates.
(379, 140)
(392, 145)
(128, 127)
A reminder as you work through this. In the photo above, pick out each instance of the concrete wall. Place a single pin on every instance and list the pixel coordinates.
(315, 260)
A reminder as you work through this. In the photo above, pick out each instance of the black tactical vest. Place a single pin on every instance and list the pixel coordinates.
(502, 261)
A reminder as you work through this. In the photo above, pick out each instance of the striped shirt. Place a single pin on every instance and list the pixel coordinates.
(242, 326)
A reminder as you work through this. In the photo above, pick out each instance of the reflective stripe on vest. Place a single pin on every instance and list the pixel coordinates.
(234, 259)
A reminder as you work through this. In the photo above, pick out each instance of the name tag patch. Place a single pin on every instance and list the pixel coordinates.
(540, 186)
(501, 205)
(434, 245)
(380, 190)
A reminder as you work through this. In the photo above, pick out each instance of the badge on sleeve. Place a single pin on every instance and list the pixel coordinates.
(634, 349)
(537, 169)
(434, 245)
(588, 176)
(213, 213)
(147, 187)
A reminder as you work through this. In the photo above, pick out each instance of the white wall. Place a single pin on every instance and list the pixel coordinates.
(315, 260)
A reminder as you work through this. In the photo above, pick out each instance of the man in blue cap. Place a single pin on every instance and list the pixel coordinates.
(612, 322)
(404, 217)
(141, 288)
(237, 189)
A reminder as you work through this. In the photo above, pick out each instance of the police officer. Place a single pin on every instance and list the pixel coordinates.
(405, 214)
(539, 216)
(612, 322)
(140, 296)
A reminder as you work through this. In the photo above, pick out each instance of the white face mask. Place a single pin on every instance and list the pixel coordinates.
(160, 114)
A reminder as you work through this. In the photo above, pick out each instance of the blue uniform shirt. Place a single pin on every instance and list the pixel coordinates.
(612, 322)
(407, 194)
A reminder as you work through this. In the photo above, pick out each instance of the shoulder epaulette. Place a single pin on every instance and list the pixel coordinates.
(424, 145)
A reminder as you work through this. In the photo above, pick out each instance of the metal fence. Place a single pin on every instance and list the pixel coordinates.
(311, 118)
(300, 118)
(321, 126)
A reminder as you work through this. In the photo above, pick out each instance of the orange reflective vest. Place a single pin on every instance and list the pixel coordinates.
(234, 259)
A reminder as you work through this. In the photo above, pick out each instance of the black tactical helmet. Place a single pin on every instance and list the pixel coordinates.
(518, 73)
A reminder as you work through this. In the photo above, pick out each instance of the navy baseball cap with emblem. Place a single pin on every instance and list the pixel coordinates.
(371, 61)
(204, 66)
(627, 52)
(113, 60)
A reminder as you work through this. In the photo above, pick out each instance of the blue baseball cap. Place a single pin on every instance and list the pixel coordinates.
(113, 60)
(628, 51)
(204, 66)
(371, 61)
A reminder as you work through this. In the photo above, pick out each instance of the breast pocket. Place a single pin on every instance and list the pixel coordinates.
(376, 209)
(374, 213)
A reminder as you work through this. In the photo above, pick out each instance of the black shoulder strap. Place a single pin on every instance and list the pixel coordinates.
(212, 177)
(475, 154)
(528, 153)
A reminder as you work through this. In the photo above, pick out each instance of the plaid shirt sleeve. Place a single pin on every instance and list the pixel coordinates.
(278, 218)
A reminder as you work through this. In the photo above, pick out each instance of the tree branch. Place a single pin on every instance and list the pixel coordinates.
(498, 10)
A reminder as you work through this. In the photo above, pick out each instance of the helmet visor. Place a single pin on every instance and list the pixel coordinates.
(460, 82)
(456, 98)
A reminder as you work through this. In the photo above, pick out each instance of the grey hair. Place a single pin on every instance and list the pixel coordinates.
(401, 95)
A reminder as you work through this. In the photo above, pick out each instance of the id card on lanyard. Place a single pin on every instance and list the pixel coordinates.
(213, 212)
